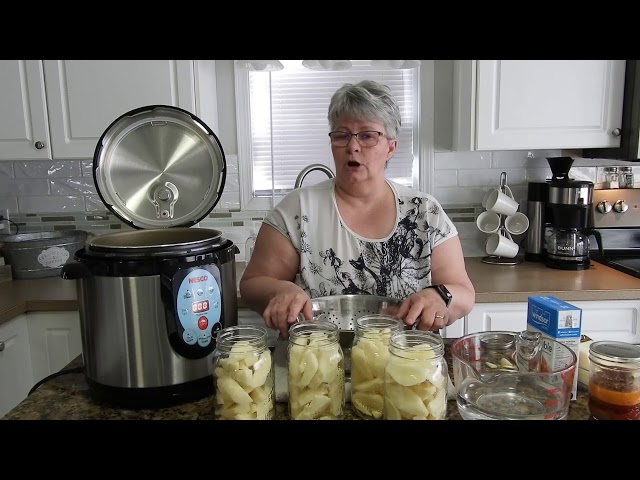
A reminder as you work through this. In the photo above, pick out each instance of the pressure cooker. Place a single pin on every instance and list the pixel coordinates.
(152, 298)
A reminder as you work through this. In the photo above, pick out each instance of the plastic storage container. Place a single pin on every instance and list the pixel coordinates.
(243, 374)
(416, 377)
(614, 381)
(315, 372)
(369, 354)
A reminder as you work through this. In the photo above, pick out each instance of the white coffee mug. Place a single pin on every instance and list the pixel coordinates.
(502, 203)
(516, 224)
(488, 222)
(486, 195)
(500, 245)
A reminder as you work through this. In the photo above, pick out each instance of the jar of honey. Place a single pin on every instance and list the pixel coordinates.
(614, 381)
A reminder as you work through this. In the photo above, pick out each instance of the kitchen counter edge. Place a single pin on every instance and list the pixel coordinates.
(493, 284)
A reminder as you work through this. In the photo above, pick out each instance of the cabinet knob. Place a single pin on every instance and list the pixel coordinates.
(616, 132)
(39, 145)
(1, 346)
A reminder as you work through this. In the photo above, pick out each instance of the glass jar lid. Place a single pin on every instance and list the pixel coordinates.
(615, 352)
(611, 169)
(497, 341)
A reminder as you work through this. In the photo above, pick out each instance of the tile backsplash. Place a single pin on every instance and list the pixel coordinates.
(61, 195)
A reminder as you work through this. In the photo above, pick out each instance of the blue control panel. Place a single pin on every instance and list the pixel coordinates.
(199, 306)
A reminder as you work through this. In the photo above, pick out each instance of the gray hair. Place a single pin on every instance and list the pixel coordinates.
(366, 101)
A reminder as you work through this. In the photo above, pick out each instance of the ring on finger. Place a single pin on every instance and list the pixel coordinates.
(438, 316)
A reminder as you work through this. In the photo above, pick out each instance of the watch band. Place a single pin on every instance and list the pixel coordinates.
(444, 293)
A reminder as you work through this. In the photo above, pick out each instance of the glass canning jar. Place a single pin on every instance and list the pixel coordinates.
(315, 372)
(626, 177)
(243, 374)
(416, 377)
(614, 381)
(369, 353)
(611, 178)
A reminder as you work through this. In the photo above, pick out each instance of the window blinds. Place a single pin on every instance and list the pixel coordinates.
(297, 122)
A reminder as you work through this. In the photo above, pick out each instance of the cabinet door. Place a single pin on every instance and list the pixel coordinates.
(611, 320)
(601, 320)
(55, 341)
(16, 377)
(24, 133)
(548, 104)
(497, 316)
(86, 96)
(537, 104)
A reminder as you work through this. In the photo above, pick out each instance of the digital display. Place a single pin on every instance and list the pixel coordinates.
(199, 307)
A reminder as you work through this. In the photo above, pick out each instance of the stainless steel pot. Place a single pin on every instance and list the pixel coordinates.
(150, 307)
(152, 300)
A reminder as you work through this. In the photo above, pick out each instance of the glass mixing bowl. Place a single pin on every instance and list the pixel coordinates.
(512, 376)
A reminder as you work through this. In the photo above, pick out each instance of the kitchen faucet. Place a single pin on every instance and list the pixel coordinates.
(310, 168)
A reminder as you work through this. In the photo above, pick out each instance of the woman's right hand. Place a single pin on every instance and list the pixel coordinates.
(284, 307)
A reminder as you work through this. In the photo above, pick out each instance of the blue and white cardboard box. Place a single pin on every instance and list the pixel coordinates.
(561, 321)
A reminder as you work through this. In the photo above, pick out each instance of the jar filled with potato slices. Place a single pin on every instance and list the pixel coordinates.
(243, 374)
(369, 353)
(315, 364)
(416, 377)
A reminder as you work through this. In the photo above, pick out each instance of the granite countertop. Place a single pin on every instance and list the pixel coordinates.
(67, 397)
(493, 284)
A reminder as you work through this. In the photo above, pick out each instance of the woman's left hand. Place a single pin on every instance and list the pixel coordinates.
(425, 307)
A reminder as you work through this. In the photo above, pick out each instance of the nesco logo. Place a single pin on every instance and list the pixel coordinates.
(203, 278)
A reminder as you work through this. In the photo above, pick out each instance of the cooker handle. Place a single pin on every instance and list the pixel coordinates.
(75, 270)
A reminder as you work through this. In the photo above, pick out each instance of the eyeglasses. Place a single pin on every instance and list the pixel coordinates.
(366, 139)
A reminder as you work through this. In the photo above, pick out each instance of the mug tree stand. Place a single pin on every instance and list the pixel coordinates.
(494, 259)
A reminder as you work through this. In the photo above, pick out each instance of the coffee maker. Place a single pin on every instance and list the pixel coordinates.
(539, 217)
(569, 201)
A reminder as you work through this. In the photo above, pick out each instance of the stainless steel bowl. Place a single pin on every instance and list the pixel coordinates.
(343, 310)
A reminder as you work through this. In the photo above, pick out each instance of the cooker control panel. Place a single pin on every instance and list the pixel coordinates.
(198, 305)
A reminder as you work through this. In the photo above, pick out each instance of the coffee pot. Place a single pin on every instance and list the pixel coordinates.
(569, 201)
(568, 249)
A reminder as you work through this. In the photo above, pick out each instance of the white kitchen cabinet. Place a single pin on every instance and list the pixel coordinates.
(24, 128)
(55, 340)
(16, 375)
(68, 104)
(537, 104)
(601, 320)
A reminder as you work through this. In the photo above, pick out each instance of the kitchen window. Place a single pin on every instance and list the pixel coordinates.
(283, 127)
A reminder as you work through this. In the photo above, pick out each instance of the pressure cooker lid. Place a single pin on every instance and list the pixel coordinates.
(159, 166)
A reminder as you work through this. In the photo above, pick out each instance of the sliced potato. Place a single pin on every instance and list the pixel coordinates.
(228, 386)
(406, 400)
(315, 408)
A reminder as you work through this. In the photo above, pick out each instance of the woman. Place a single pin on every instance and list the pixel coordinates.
(359, 233)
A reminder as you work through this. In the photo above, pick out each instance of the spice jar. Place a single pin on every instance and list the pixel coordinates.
(625, 177)
(611, 178)
(243, 374)
(614, 381)
(369, 353)
(315, 365)
(416, 377)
